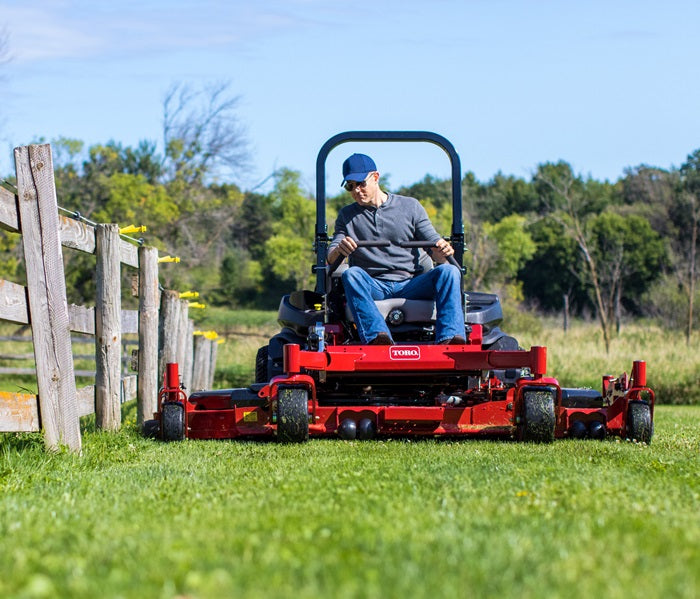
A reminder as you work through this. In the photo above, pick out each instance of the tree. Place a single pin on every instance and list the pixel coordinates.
(631, 256)
(506, 195)
(500, 252)
(289, 252)
(202, 134)
(565, 196)
(552, 276)
(687, 215)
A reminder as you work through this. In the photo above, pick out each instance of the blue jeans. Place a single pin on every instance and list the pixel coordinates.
(441, 284)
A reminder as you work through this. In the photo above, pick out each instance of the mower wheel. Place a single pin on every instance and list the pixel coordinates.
(173, 419)
(261, 375)
(538, 417)
(639, 425)
(292, 414)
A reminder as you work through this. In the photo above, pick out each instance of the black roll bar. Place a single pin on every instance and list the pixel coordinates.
(321, 244)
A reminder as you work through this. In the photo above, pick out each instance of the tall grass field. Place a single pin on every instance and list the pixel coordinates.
(134, 517)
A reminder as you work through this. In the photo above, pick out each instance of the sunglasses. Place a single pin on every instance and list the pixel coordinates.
(353, 185)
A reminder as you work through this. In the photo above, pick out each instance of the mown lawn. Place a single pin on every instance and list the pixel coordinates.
(137, 518)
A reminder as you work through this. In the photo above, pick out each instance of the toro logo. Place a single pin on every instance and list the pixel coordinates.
(404, 352)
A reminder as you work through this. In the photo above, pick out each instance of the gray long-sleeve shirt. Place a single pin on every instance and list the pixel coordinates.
(398, 219)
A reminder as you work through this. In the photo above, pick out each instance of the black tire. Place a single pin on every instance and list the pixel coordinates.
(538, 417)
(639, 425)
(292, 415)
(172, 418)
(151, 429)
(261, 374)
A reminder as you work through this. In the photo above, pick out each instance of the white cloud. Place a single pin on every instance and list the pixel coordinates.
(55, 29)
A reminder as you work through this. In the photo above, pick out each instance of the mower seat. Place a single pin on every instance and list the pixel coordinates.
(406, 310)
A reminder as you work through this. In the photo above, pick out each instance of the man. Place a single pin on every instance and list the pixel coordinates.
(386, 272)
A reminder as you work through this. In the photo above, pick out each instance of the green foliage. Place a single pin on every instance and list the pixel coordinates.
(131, 199)
(553, 270)
(10, 262)
(630, 253)
(240, 278)
(245, 248)
(289, 252)
(515, 246)
(667, 302)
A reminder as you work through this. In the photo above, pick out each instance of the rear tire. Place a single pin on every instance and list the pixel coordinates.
(292, 415)
(261, 373)
(639, 425)
(538, 417)
(173, 421)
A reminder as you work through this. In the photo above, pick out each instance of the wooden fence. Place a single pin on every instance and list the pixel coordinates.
(165, 332)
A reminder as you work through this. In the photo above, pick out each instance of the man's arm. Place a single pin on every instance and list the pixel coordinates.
(345, 247)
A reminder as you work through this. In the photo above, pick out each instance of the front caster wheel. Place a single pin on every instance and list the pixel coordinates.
(173, 421)
(538, 417)
(292, 414)
(639, 425)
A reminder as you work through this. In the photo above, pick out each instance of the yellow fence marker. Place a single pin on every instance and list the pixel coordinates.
(132, 229)
(207, 334)
(169, 259)
(197, 305)
(189, 295)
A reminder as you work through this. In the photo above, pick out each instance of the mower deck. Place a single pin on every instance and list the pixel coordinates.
(409, 390)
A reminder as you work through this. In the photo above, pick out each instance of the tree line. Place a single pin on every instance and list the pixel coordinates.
(555, 242)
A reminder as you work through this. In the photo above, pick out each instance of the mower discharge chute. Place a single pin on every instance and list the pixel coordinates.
(315, 378)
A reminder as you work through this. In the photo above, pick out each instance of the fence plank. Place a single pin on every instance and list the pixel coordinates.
(13, 302)
(86, 400)
(108, 328)
(82, 319)
(77, 234)
(38, 210)
(149, 299)
(128, 253)
(19, 413)
(129, 387)
(9, 219)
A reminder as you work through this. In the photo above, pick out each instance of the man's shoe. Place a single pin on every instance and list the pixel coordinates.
(381, 339)
(456, 340)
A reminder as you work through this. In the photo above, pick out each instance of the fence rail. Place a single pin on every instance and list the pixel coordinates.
(42, 304)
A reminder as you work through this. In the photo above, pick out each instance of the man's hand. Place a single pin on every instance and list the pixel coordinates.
(441, 251)
(346, 247)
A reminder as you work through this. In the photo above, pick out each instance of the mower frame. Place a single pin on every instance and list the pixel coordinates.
(327, 384)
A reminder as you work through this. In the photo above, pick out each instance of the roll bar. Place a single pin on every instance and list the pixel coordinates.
(321, 243)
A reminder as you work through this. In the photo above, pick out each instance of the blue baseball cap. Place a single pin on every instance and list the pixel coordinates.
(357, 167)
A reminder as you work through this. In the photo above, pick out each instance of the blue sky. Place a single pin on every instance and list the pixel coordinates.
(602, 84)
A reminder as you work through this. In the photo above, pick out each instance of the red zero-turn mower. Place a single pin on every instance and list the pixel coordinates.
(315, 378)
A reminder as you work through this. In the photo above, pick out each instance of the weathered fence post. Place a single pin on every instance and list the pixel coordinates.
(212, 363)
(168, 328)
(201, 363)
(48, 306)
(189, 355)
(108, 328)
(183, 318)
(147, 385)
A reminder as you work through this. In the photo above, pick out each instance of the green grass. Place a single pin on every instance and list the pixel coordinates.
(137, 518)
